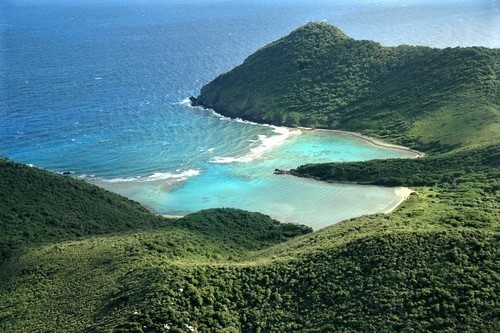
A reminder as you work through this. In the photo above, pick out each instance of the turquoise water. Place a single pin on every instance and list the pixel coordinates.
(245, 180)
(96, 88)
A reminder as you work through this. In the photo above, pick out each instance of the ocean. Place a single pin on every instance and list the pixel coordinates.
(99, 88)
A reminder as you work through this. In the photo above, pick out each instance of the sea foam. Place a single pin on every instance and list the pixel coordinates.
(267, 143)
(185, 101)
(157, 176)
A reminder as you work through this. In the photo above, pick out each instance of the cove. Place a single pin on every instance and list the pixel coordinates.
(244, 179)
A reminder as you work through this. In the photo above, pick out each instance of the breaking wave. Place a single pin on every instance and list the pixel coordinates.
(157, 176)
(267, 143)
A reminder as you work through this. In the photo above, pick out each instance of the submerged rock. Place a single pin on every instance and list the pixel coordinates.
(281, 172)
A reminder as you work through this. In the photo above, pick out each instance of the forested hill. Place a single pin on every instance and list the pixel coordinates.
(426, 98)
(38, 207)
(225, 270)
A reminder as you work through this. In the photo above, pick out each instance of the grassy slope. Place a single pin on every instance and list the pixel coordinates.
(426, 98)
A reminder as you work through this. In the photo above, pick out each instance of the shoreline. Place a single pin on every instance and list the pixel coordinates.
(373, 141)
(403, 193)
(171, 216)
(192, 102)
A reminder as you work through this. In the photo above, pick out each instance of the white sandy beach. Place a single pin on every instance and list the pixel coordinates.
(402, 193)
(368, 139)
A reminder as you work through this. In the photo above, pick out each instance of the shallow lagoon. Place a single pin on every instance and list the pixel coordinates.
(246, 180)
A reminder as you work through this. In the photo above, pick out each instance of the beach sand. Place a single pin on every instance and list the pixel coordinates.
(371, 140)
(402, 193)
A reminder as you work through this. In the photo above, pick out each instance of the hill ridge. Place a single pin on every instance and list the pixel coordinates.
(420, 97)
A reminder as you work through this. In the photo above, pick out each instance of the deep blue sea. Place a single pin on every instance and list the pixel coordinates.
(97, 88)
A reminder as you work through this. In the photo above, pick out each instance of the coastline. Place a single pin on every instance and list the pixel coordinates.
(373, 141)
(403, 193)
(193, 102)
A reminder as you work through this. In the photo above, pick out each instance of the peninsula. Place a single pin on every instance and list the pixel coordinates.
(434, 100)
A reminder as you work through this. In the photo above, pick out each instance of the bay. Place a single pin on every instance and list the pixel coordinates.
(96, 88)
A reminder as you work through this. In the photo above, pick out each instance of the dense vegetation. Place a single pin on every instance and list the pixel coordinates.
(228, 270)
(449, 169)
(225, 270)
(405, 281)
(426, 98)
(76, 258)
(254, 231)
(39, 206)
(350, 287)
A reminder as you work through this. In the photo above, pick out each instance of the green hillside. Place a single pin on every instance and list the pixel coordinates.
(77, 258)
(421, 97)
(395, 272)
(224, 270)
(38, 206)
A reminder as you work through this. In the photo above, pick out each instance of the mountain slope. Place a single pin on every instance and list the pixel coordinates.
(38, 207)
(372, 274)
(225, 270)
(425, 98)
